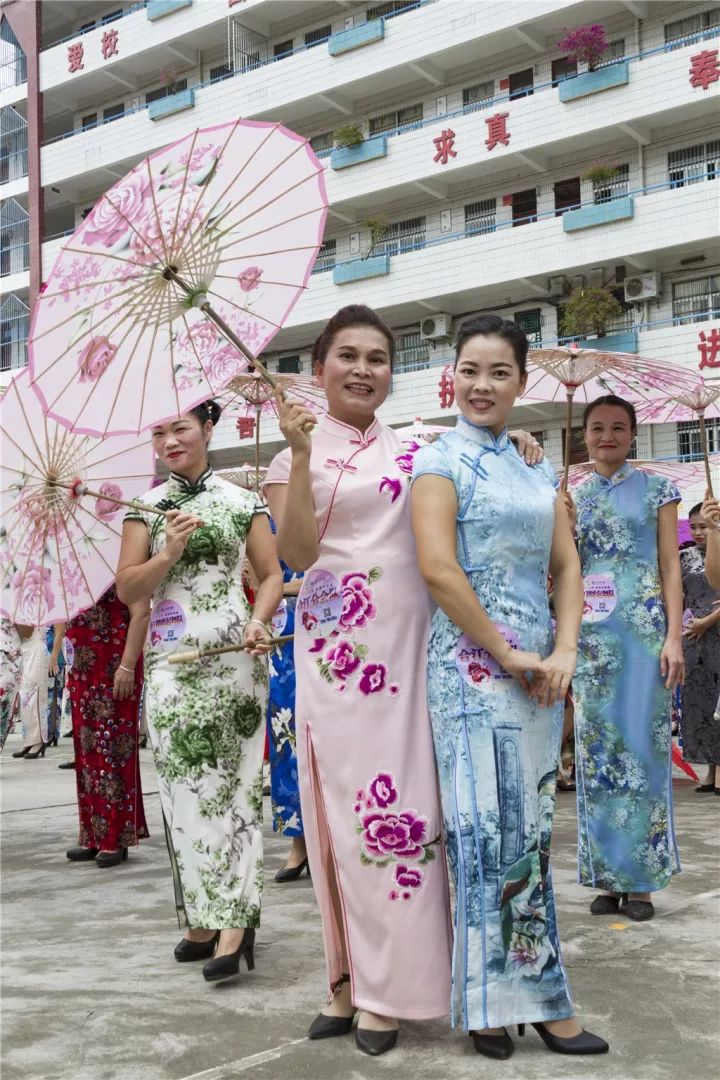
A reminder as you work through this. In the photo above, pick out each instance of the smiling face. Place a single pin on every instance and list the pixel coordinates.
(356, 375)
(182, 445)
(487, 381)
(609, 435)
(699, 530)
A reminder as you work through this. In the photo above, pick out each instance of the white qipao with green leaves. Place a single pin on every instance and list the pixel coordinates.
(205, 717)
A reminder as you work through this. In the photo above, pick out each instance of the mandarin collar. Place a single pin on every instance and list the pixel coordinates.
(187, 487)
(349, 433)
(625, 470)
(483, 436)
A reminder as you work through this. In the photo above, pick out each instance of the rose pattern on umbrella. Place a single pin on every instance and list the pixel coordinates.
(95, 357)
(114, 215)
(35, 593)
(389, 835)
(249, 279)
(106, 508)
(165, 227)
(225, 365)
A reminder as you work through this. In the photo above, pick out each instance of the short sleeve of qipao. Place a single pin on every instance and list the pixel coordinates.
(664, 491)
(279, 470)
(432, 460)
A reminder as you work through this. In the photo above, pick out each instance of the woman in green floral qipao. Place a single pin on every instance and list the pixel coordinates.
(205, 718)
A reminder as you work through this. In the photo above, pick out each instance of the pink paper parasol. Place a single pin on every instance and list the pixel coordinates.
(554, 374)
(420, 432)
(59, 549)
(250, 395)
(695, 402)
(245, 476)
(682, 473)
(200, 251)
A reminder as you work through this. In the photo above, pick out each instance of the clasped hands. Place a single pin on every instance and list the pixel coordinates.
(545, 681)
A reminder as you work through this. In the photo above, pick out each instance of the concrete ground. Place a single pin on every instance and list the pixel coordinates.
(90, 989)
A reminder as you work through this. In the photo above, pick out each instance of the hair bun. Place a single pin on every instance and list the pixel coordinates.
(214, 411)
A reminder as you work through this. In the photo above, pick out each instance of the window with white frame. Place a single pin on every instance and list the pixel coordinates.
(390, 121)
(326, 257)
(530, 322)
(480, 217)
(613, 188)
(401, 236)
(322, 142)
(696, 300)
(288, 365)
(688, 437)
(615, 51)
(680, 29)
(694, 163)
(479, 93)
(412, 353)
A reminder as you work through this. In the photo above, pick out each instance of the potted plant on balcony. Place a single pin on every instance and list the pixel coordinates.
(601, 172)
(378, 226)
(590, 310)
(588, 45)
(348, 135)
(585, 44)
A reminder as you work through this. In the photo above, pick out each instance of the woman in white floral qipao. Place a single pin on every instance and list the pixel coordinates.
(205, 718)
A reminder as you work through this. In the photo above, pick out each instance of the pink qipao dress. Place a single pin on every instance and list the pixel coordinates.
(368, 781)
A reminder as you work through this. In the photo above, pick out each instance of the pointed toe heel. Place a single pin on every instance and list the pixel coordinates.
(81, 854)
(499, 1047)
(186, 951)
(292, 873)
(330, 1027)
(225, 967)
(584, 1043)
(375, 1043)
(111, 858)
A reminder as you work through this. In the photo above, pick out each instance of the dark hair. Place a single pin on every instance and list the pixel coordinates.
(207, 410)
(352, 315)
(494, 326)
(695, 509)
(611, 399)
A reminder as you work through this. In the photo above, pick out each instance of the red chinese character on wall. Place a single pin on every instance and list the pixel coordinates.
(709, 348)
(75, 57)
(497, 131)
(446, 388)
(109, 44)
(444, 146)
(245, 427)
(704, 68)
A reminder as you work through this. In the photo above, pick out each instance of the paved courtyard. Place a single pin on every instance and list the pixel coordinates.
(90, 989)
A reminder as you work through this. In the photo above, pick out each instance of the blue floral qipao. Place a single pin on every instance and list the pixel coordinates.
(284, 783)
(626, 840)
(497, 751)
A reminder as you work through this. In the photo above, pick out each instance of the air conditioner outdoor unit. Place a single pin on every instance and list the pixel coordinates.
(436, 326)
(557, 286)
(641, 286)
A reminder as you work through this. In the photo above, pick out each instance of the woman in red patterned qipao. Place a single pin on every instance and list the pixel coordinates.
(105, 674)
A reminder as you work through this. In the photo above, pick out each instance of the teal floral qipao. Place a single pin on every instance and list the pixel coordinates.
(626, 839)
(497, 750)
(205, 718)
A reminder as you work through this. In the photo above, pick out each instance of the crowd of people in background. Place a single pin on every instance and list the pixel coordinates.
(414, 721)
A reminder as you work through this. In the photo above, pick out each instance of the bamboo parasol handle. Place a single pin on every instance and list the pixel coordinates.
(205, 306)
(78, 490)
(704, 448)
(570, 391)
(199, 654)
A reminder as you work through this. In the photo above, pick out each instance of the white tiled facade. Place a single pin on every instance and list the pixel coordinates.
(436, 66)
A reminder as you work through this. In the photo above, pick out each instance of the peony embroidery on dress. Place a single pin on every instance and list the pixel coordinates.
(390, 835)
(342, 661)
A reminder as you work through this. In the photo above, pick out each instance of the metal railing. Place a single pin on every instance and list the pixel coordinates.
(139, 6)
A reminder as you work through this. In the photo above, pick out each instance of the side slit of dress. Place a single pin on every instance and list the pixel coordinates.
(333, 933)
(177, 883)
(460, 951)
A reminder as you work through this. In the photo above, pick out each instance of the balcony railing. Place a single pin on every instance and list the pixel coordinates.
(139, 6)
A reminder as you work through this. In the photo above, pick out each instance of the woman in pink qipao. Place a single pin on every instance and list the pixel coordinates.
(365, 754)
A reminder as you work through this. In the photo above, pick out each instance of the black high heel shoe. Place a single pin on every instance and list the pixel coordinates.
(22, 753)
(224, 967)
(111, 858)
(40, 752)
(328, 1027)
(604, 904)
(375, 1042)
(292, 873)
(584, 1043)
(186, 951)
(499, 1047)
(81, 854)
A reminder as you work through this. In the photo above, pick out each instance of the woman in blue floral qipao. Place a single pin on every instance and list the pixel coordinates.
(630, 659)
(488, 530)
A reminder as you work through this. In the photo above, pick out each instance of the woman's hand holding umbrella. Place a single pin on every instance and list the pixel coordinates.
(296, 424)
